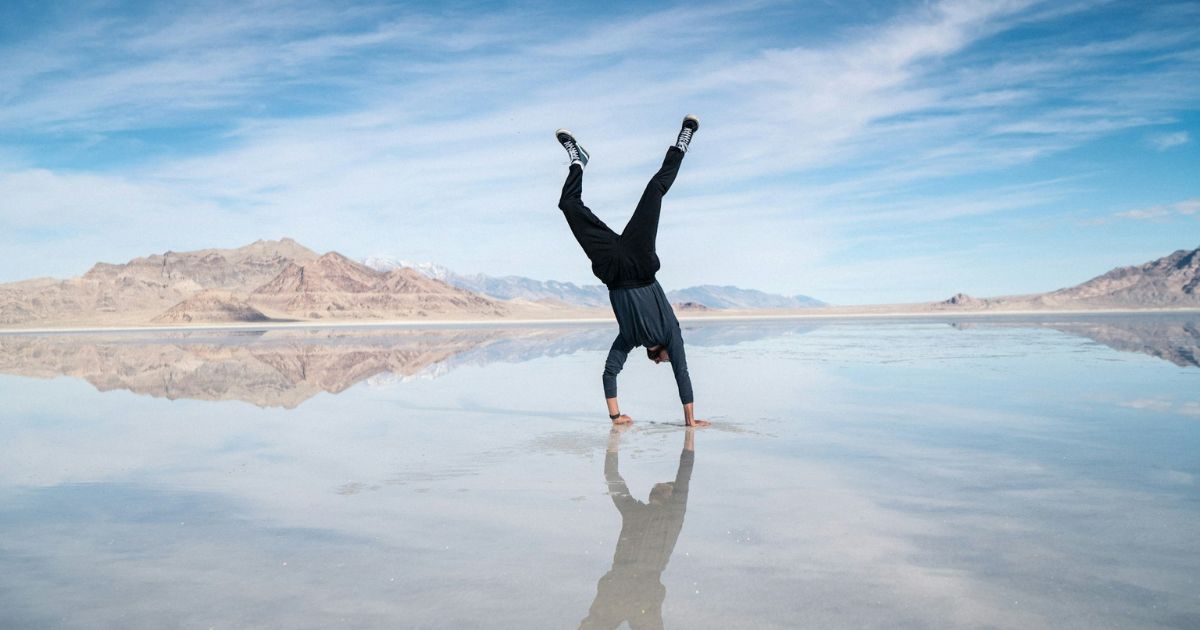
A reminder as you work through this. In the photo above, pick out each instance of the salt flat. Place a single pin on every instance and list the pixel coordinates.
(886, 473)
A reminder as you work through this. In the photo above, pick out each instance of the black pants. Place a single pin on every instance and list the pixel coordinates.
(628, 259)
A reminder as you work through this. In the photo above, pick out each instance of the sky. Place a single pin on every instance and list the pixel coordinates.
(857, 152)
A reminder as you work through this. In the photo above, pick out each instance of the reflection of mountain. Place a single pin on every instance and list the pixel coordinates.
(1177, 341)
(285, 368)
(1172, 338)
(272, 370)
(516, 348)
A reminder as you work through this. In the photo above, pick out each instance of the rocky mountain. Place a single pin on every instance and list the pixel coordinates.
(261, 281)
(211, 305)
(427, 269)
(1170, 282)
(143, 288)
(591, 295)
(502, 288)
(962, 299)
(335, 286)
(242, 269)
(1173, 280)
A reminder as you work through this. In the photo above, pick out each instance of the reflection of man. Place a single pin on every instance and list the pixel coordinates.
(631, 590)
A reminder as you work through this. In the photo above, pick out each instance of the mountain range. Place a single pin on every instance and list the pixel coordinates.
(285, 281)
(591, 295)
(1172, 281)
(263, 281)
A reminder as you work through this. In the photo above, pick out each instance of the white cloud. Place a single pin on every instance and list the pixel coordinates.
(1186, 207)
(1164, 141)
(439, 147)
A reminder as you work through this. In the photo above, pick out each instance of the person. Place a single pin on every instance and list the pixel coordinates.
(626, 264)
(632, 591)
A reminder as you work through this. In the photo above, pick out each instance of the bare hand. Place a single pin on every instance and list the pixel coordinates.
(623, 419)
(697, 422)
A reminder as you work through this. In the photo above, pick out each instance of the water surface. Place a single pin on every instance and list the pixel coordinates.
(980, 473)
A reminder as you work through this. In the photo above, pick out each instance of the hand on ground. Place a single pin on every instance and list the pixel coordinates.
(623, 419)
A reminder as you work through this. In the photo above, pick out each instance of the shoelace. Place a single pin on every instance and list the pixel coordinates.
(572, 150)
(685, 135)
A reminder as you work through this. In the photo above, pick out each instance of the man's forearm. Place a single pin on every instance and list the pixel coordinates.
(688, 414)
(613, 407)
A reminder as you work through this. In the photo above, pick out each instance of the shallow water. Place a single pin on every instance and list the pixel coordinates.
(981, 473)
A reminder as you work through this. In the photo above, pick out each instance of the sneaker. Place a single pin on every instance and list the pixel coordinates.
(690, 125)
(576, 153)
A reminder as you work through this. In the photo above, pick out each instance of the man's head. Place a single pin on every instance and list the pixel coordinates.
(657, 353)
(661, 493)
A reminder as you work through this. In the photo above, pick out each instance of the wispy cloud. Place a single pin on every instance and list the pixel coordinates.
(1186, 207)
(426, 133)
(1164, 141)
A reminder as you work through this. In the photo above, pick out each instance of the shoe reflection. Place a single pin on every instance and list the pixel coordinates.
(632, 591)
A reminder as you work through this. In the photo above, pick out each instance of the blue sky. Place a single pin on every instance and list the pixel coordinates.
(858, 152)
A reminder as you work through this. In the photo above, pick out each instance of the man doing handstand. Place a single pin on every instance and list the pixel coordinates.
(626, 263)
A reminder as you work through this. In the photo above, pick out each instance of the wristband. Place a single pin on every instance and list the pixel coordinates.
(614, 416)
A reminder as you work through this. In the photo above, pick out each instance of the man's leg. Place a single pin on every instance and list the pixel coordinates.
(593, 235)
(642, 229)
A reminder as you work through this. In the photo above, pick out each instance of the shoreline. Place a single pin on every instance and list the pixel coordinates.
(816, 314)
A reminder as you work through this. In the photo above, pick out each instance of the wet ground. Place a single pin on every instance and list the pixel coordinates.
(981, 473)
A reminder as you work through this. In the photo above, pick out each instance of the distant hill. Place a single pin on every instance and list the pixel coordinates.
(143, 288)
(212, 305)
(592, 295)
(727, 296)
(335, 286)
(258, 282)
(283, 280)
(1172, 280)
(1169, 282)
(505, 287)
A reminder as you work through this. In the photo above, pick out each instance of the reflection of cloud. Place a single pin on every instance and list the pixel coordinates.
(1147, 403)
(885, 495)
(178, 547)
(1175, 477)
(1161, 405)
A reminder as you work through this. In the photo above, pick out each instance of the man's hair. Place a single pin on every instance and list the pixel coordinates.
(661, 492)
(653, 351)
